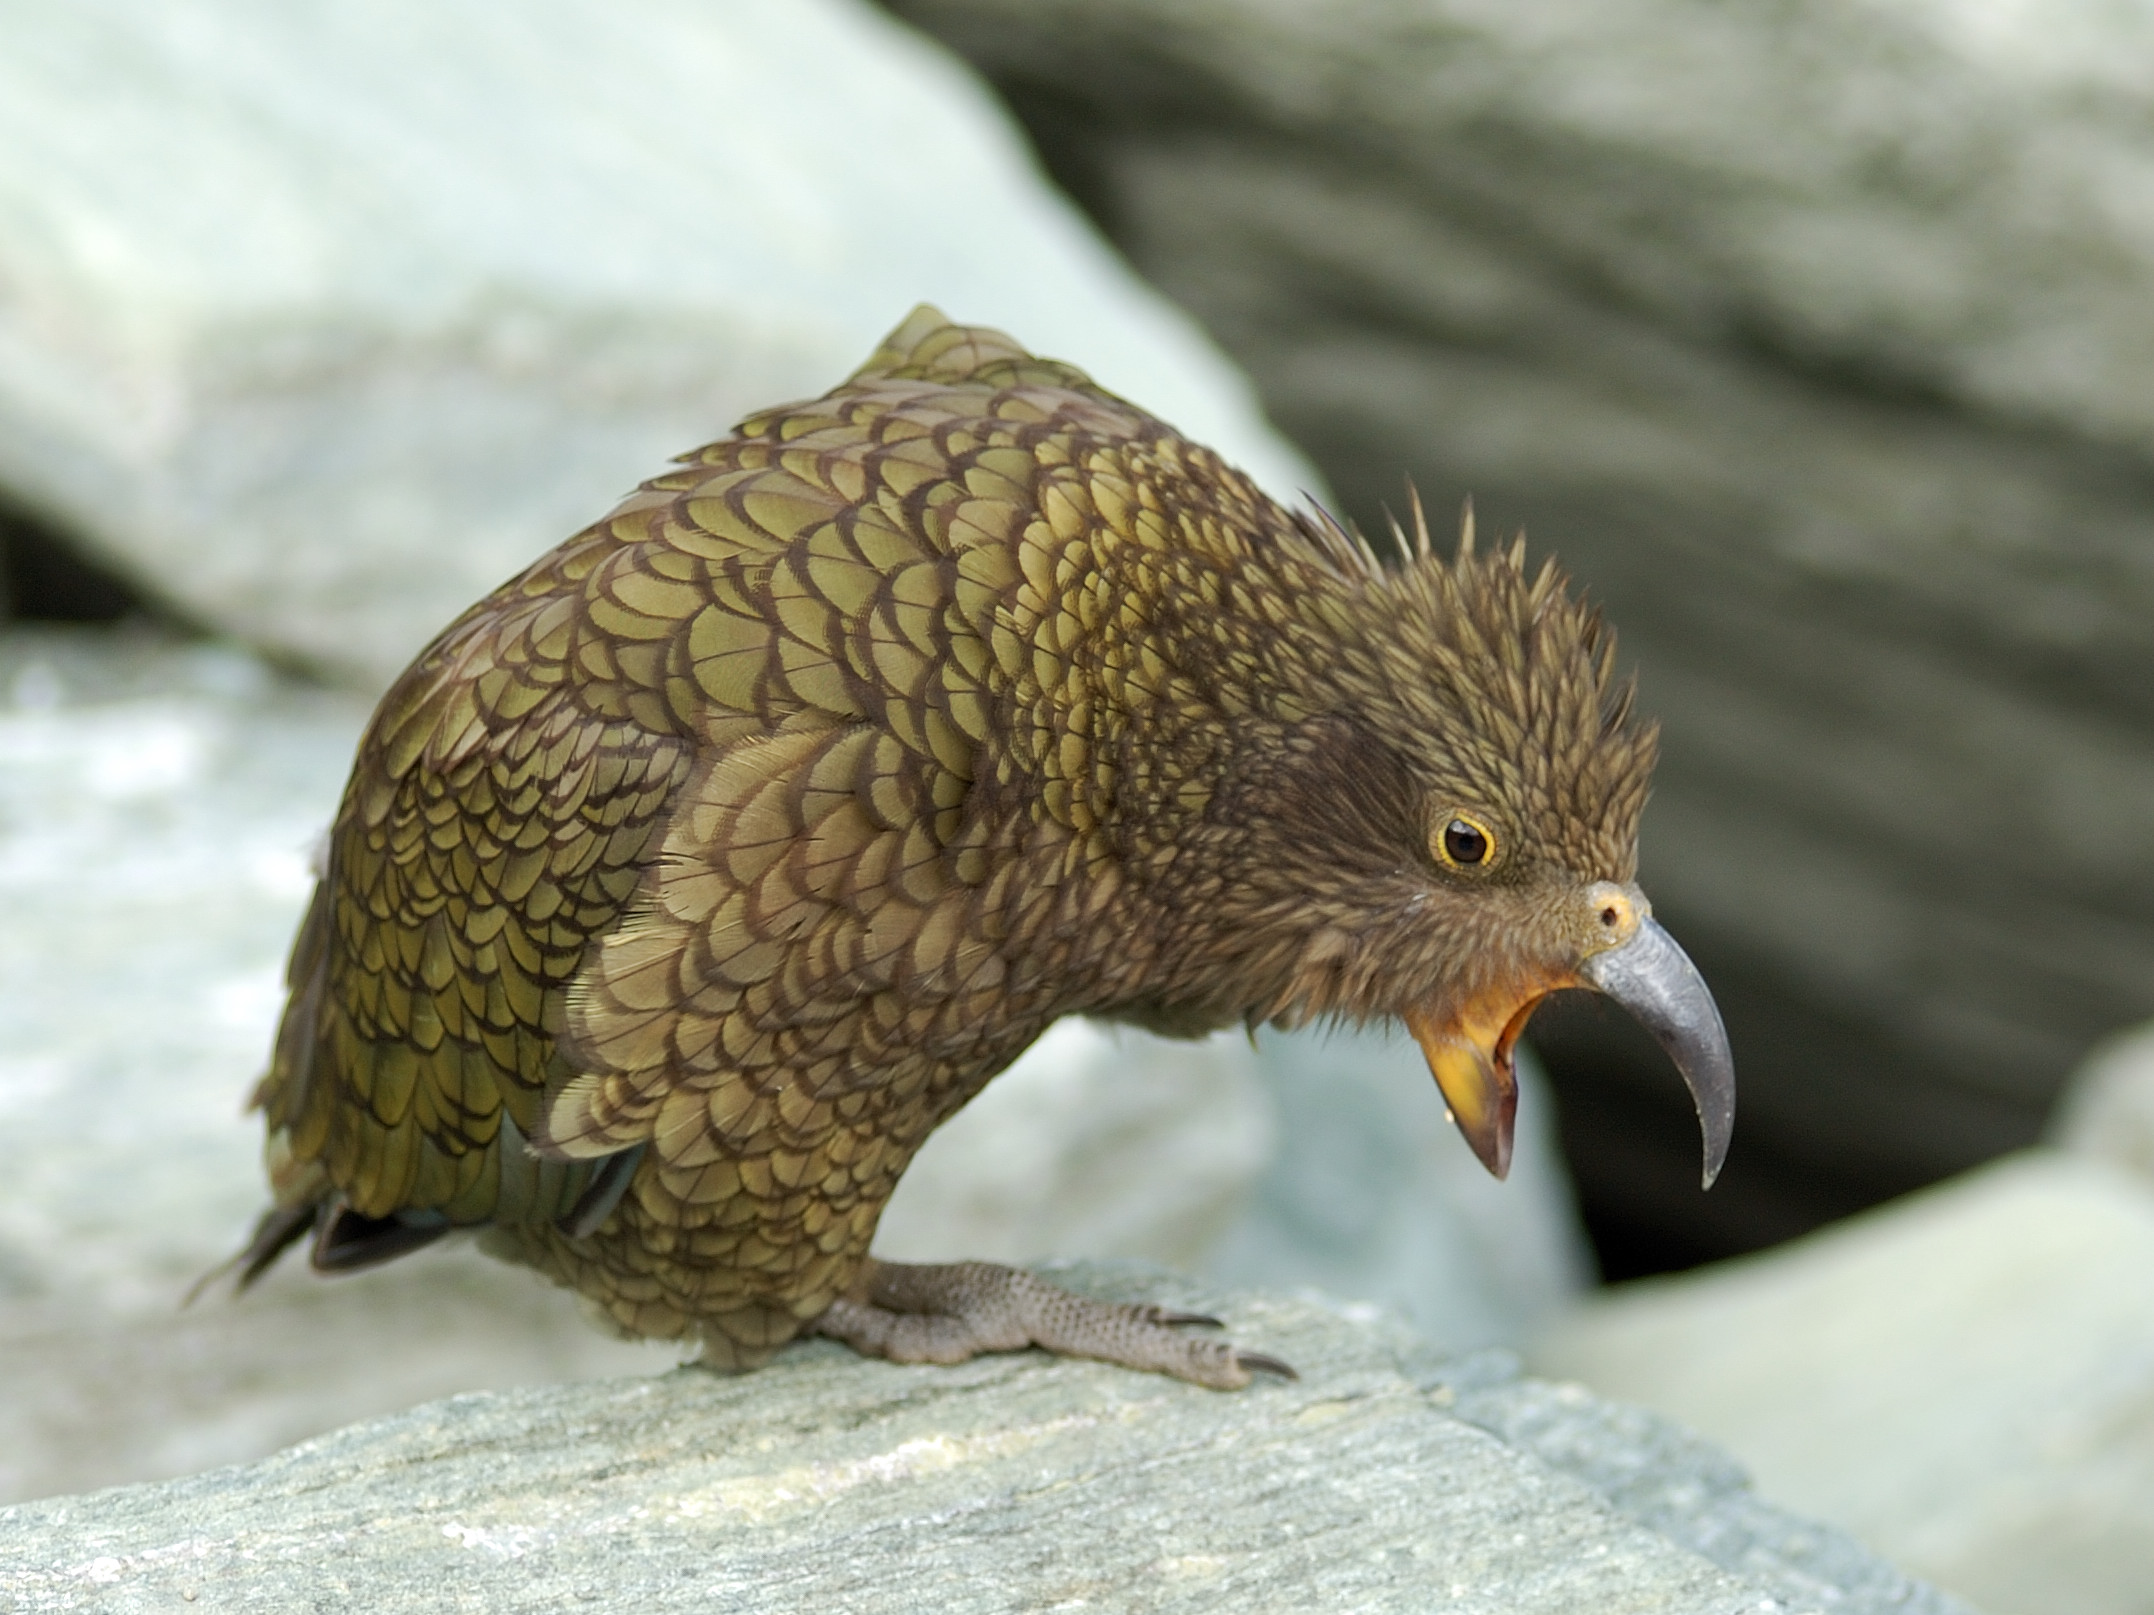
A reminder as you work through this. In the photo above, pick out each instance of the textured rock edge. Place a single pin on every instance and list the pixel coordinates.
(1647, 1469)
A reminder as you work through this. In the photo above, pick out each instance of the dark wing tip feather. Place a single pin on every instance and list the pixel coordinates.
(346, 1240)
(602, 1194)
(277, 1231)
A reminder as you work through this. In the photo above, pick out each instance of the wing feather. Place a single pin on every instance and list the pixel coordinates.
(493, 825)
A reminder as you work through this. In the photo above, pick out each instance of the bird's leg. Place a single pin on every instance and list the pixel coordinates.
(947, 1312)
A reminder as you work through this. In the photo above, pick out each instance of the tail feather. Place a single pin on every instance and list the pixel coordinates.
(280, 1228)
(343, 1241)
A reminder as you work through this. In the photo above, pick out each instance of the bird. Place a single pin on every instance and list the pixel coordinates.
(687, 882)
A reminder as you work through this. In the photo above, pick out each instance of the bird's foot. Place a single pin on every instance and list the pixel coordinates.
(947, 1312)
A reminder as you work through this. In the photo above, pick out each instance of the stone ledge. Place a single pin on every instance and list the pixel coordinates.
(1386, 1479)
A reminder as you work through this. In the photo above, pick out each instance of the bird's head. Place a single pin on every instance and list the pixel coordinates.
(1451, 821)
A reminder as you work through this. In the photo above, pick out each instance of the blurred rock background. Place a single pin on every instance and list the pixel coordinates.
(1811, 337)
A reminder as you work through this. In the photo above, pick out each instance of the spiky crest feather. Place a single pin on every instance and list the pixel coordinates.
(1505, 683)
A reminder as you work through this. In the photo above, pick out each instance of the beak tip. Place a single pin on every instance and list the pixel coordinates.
(1498, 1156)
(1654, 979)
(1491, 1146)
(1716, 1149)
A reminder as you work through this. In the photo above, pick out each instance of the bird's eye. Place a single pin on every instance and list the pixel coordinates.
(1465, 841)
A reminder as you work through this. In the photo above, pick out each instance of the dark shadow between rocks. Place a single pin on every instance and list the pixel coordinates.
(46, 578)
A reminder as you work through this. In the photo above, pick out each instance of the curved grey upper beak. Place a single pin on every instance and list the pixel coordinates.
(1654, 979)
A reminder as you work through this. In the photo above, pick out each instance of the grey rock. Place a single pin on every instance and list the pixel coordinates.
(1008, 1483)
(1100, 1141)
(158, 804)
(1812, 337)
(320, 323)
(1681, 1486)
(98, 1396)
(2107, 1108)
(1965, 1379)
(1936, 193)
(1373, 1197)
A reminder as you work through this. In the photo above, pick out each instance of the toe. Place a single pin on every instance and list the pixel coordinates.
(1266, 1364)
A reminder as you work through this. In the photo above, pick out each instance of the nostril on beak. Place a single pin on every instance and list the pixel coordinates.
(1615, 911)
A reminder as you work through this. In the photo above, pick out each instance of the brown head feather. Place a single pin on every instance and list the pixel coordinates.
(1399, 695)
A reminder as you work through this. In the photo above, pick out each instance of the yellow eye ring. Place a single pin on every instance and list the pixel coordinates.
(1462, 841)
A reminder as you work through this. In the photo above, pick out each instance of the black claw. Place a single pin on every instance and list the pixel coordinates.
(1199, 1319)
(1265, 1365)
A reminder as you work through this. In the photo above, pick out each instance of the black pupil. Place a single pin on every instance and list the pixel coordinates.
(1464, 843)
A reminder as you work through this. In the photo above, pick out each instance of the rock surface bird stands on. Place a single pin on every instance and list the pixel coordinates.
(1387, 1480)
